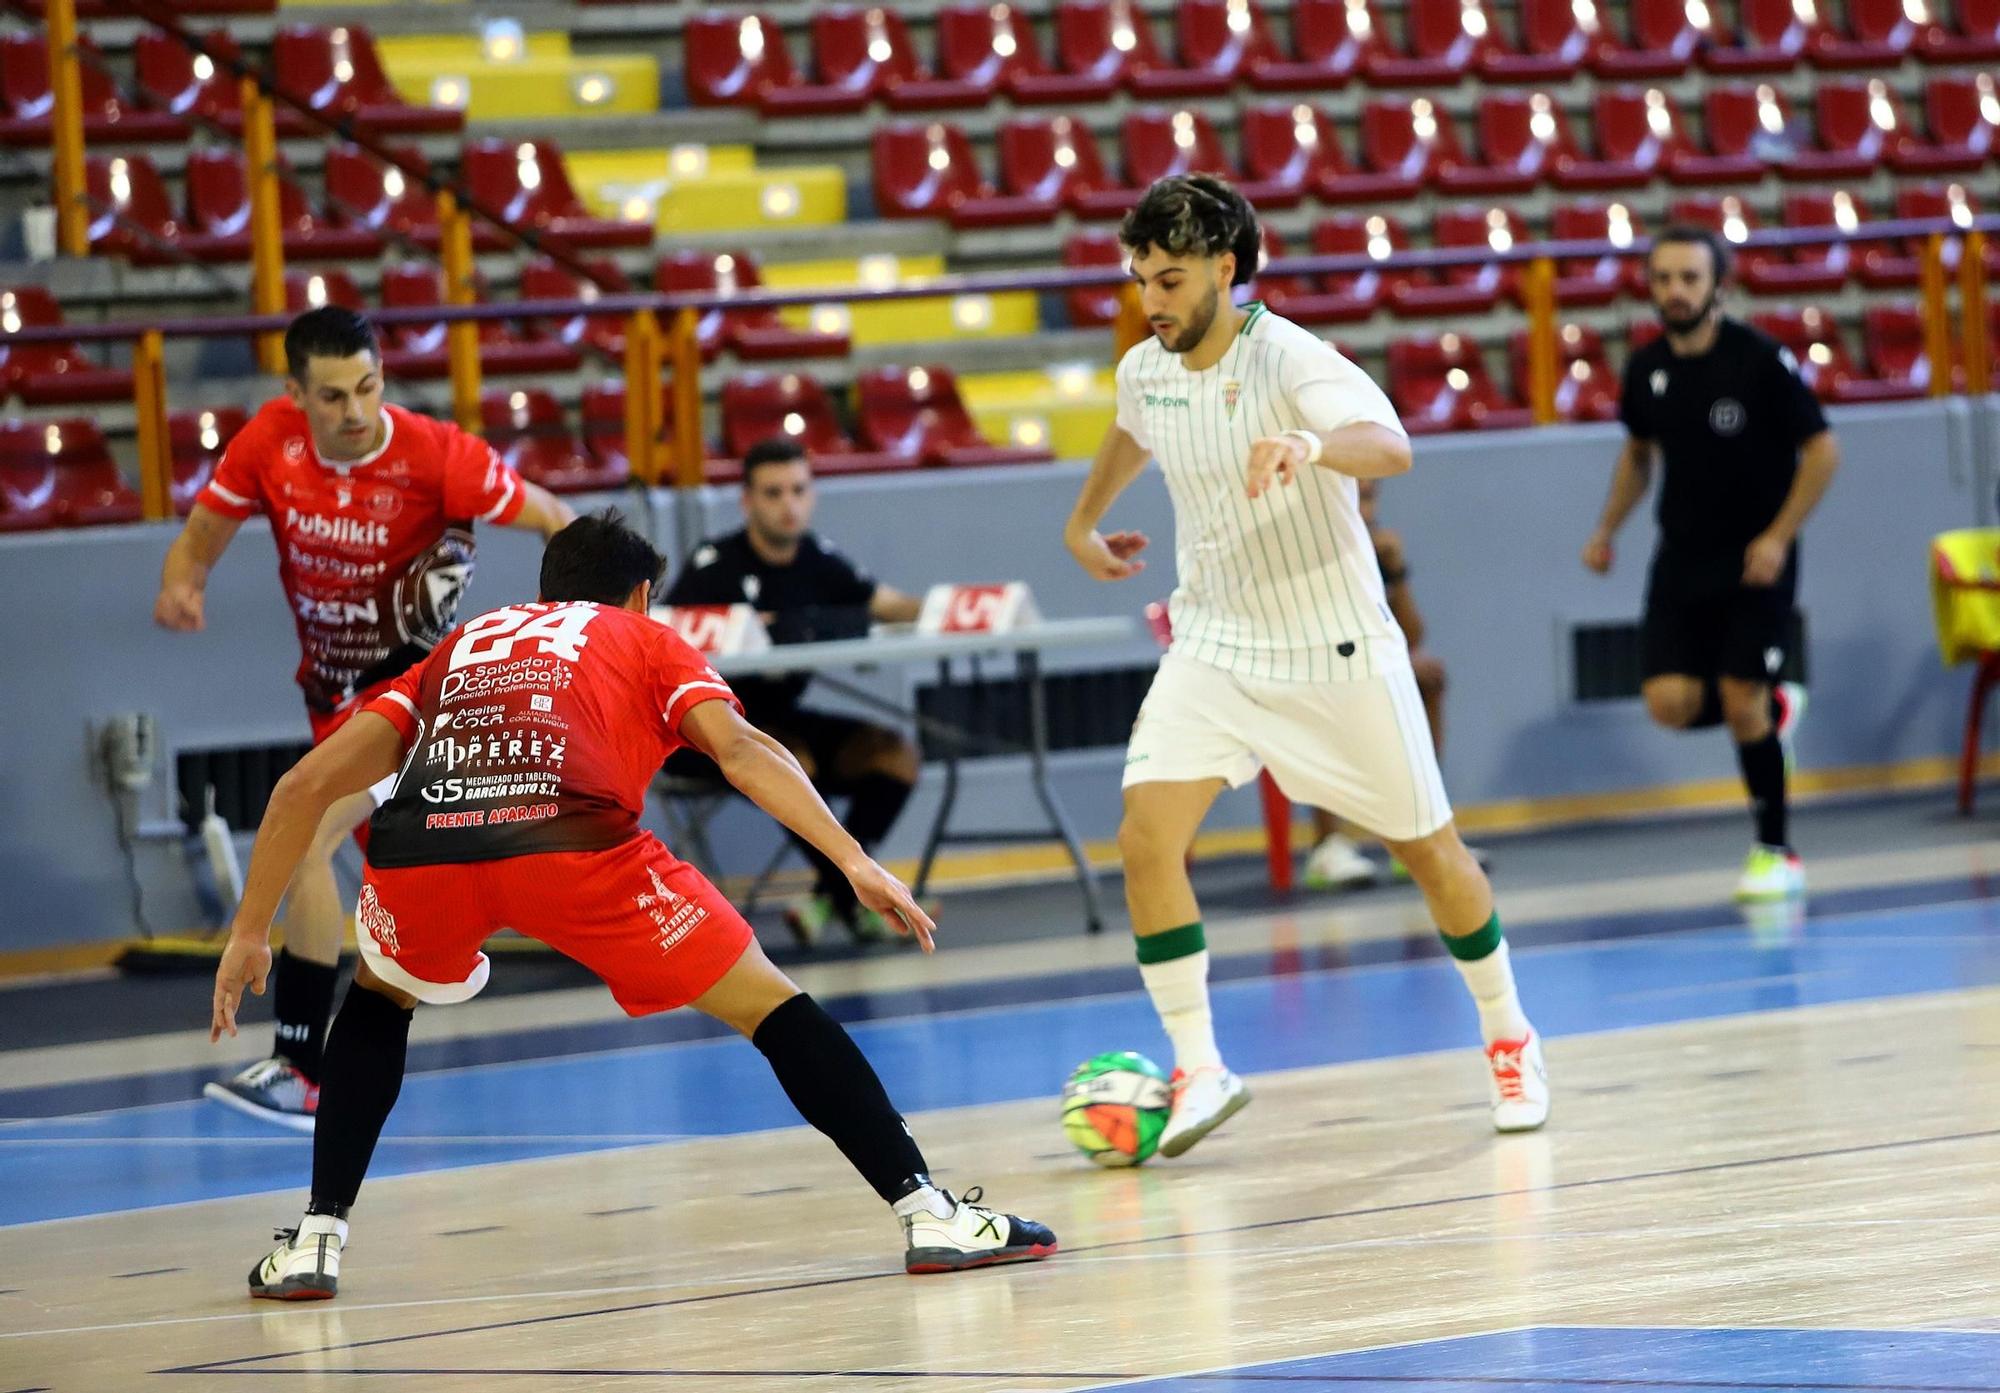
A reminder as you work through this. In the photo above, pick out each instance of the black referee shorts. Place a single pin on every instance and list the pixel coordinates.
(1704, 626)
(822, 735)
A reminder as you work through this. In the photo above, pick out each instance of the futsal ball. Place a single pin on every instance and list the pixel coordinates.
(1115, 1106)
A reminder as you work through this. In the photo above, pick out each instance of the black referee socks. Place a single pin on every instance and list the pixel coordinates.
(302, 999)
(1763, 764)
(835, 1088)
(360, 1078)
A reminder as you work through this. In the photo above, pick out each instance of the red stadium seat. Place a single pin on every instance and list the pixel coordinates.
(736, 59)
(1879, 265)
(1586, 387)
(1665, 38)
(1466, 289)
(527, 428)
(1226, 38)
(602, 414)
(61, 473)
(308, 290)
(1446, 40)
(1113, 39)
(1278, 292)
(419, 350)
(528, 184)
(130, 215)
(195, 87)
(1951, 201)
(1764, 270)
(995, 47)
(1892, 338)
(1355, 295)
(543, 279)
(1409, 142)
(917, 413)
(1294, 147)
(1858, 127)
(1163, 143)
(1597, 280)
(1747, 127)
(50, 374)
(1524, 138)
(924, 171)
(1639, 135)
(1331, 42)
(1775, 38)
(218, 210)
(1047, 163)
(748, 333)
(857, 56)
(195, 442)
(1558, 40)
(1878, 34)
(363, 192)
(1972, 37)
(761, 406)
(337, 73)
(1824, 365)
(27, 100)
(1962, 117)
(1441, 383)
(1096, 304)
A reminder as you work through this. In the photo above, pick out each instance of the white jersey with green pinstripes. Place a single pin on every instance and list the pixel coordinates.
(1284, 586)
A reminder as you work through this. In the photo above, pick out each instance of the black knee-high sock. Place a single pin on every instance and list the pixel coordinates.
(835, 1088)
(1763, 764)
(359, 1081)
(302, 999)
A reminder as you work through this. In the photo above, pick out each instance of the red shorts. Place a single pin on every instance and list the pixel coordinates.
(647, 923)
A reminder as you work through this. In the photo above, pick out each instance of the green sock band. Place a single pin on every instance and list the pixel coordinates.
(1480, 943)
(1183, 942)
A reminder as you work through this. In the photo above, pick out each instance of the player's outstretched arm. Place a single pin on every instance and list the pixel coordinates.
(1108, 555)
(541, 511)
(360, 754)
(184, 576)
(764, 772)
(1629, 482)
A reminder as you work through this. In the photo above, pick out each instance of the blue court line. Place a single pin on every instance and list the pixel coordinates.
(1566, 1359)
(674, 1027)
(124, 1160)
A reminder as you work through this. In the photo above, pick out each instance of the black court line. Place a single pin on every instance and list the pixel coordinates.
(1602, 1089)
(32, 1390)
(778, 1190)
(149, 1272)
(226, 1366)
(1731, 1075)
(1343, 1121)
(628, 1209)
(1865, 1058)
(461, 1233)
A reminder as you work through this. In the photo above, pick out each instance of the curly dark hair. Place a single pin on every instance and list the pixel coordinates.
(1195, 215)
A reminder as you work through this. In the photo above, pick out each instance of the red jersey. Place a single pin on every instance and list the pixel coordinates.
(535, 728)
(373, 554)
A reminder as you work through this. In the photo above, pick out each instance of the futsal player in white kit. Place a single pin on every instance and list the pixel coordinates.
(1284, 652)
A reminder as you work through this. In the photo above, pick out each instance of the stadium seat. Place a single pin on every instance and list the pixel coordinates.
(27, 100)
(1047, 163)
(734, 59)
(1586, 387)
(1355, 295)
(544, 279)
(1764, 270)
(1331, 42)
(528, 184)
(1293, 146)
(61, 473)
(1892, 339)
(1444, 40)
(748, 333)
(1878, 34)
(1558, 40)
(924, 171)
(1162, 143)
(363, 192)
(761, 406)
(1466, 289)
(1665, 38)
(1441, 384)
(419, 350)
(1113, 39)
(337, 72)
(1226, 38)
(1524, 138)
(1407, 144)
(1775, 36)
(1824, 365)
(195, 442)
(1857, 128)
(527, 428)
(195, 87)
(103, 9)
(1878, 265)
(1297, 298)
(1951, 201)
(1597, 280)
(995, 47)
(858, 55)
(602, 414)
(917, 412)
(308, 290)
(1097, 304)
(218, 212)
(1973, 36)
(1748, 127)
(50, 374)
(130, 215)
(1962, 119)
(1639, 135)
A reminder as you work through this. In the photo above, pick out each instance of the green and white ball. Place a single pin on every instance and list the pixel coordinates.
(1115, 1106)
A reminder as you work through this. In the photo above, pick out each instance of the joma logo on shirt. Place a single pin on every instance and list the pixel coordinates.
(1153, 399)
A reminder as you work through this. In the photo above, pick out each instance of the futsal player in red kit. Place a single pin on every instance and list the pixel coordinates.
(372, 508)
(525, 743)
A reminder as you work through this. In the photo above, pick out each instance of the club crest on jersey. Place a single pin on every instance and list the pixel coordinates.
(1230, 392)
(295, 449)
(1659, 382)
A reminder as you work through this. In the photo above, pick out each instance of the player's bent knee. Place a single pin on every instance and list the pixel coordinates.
(1145, 842)
(365, 978)
(1672, 702)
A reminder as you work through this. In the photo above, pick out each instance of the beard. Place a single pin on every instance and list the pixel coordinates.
(1692, 320)
(1198, 326)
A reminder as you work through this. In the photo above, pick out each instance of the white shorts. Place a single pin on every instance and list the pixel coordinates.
(1359, 749)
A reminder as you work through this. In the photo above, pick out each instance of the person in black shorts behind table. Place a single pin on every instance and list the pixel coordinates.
(806, 590)
(1748, 454)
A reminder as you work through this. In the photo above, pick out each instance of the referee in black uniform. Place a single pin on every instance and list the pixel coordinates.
(1748, 454)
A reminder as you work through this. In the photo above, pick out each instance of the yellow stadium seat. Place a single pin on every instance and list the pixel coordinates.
(899, 321)
(707, 189)
(1065, 408)
(506, 74)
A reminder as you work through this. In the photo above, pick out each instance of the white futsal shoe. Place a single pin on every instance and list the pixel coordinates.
(1771, 873)
(971, 1236)
(1518, 1081)
(305, 1266)
(1203, 1101)
(1337, 864)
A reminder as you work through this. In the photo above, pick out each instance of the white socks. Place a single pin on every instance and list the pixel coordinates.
(313, 1225)
(1179, 988)
(1491, 981)
(929, 1200)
